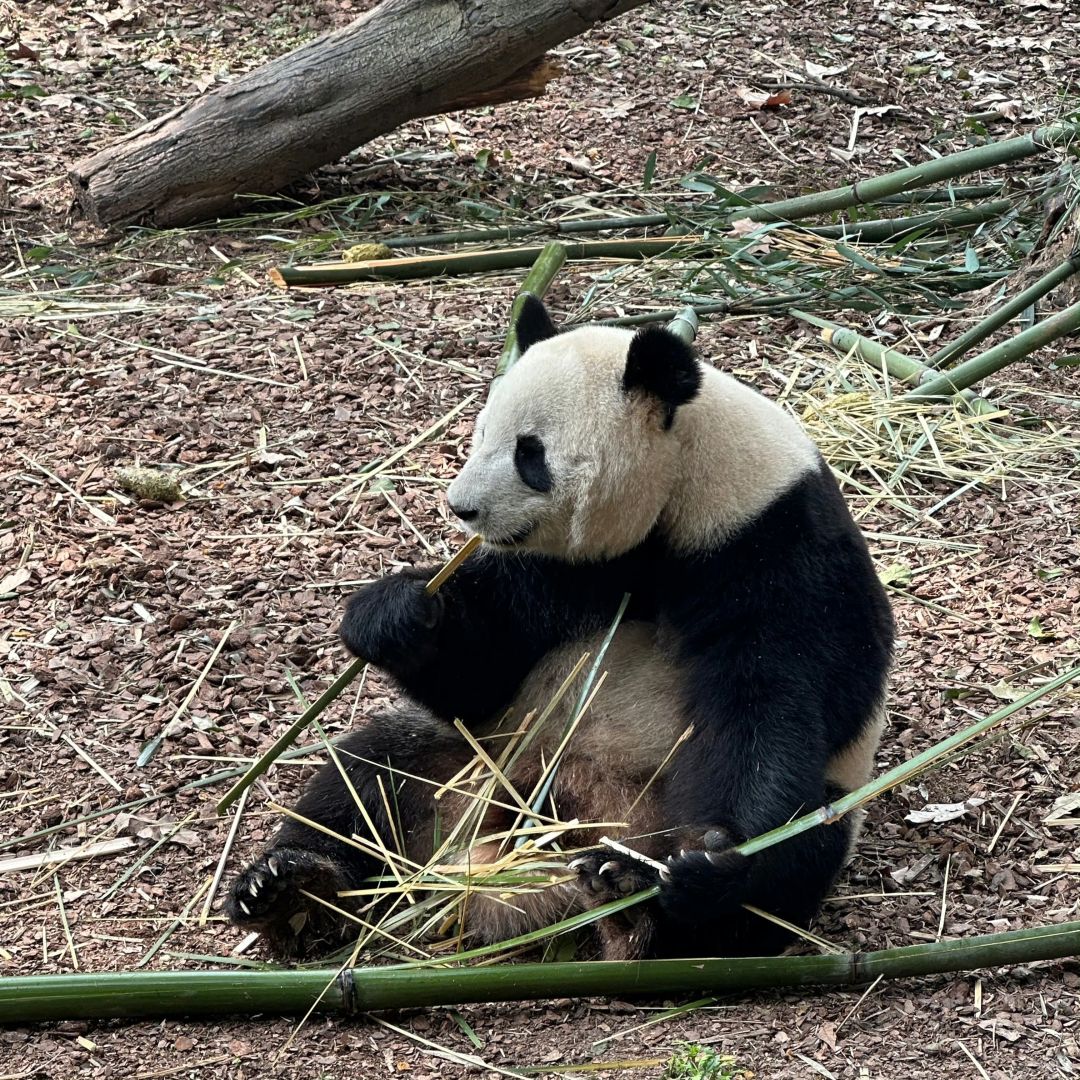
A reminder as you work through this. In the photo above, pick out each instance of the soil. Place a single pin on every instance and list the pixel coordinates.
(204, 619)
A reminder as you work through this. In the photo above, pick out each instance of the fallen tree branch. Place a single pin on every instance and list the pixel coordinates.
(403, 59)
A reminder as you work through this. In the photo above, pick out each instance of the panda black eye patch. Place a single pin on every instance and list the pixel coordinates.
(531, 463)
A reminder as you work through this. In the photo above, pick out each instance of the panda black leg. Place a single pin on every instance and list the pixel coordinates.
(701, 902)
(704, 884)
(286, 892)
(281, 894)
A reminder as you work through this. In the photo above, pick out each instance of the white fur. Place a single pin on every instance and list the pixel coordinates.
(617, 471)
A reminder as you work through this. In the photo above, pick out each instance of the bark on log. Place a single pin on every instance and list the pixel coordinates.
(400, 61)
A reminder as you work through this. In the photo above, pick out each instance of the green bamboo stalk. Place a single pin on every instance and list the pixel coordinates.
(744, 306)
(879, 230)
(900, 366)
(914, 176)
(470, 262)
(152, 994)
(317, 707)
(1000, 356)
(948, 354)
(951, 194)
(497, 235)
(289, 736)
(516, 232)
(537, 281)
(827, 815)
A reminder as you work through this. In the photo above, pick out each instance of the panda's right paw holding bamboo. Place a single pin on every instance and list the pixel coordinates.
(274, 895)
(393, 621)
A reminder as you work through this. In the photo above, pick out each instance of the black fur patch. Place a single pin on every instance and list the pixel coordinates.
(664, 366)
(530, 461)
(533, 323)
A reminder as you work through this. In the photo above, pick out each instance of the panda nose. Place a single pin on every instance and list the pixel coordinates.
(462, 513)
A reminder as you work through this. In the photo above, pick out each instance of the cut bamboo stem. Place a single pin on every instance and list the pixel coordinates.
(878, 230)
(66, 855)
(469, 262)
(517, 232)
(914, 176)
(317, 707)
(1008, 352)
(536, 283)
(506, 233)
(684, 325)
(948, 354)
(900, 366)
(951, 194)
(151, 994)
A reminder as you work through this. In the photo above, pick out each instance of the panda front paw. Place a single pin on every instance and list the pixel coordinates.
(274, 895)
(392, 622)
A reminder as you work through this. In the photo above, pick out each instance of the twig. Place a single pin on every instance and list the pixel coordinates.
(815, 88)
(630, 853)
(64, 855)
(105, 519)
(151, 748)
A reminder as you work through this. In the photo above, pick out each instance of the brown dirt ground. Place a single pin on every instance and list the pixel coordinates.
(116, 616)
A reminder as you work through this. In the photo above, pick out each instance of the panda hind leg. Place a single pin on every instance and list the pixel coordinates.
(703, 886)
(290, 892)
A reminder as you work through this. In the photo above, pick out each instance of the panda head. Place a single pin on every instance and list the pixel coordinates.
(577, 450)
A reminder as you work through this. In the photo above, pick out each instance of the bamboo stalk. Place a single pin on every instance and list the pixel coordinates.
(537, 280)
(880, 229)
(151, 994)
(317, 707)
(646, 221)
(684, 325)
(746, 306)
(951, 194)
(517, 232)
(827, 815)
(469, 262)
(947, 354)
(914, 176)
(900, 366)
(1000, 356)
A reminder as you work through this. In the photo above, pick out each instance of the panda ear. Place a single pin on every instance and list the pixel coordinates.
(533, 323)
(664, 366)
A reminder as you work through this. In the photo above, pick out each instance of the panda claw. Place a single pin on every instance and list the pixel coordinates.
(665, 874)
(272, 865)
(610, 865)
(255, 885)
(243, 907)
(576, 864)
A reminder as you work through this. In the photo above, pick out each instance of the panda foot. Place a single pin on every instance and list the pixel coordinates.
(604, 875)
(269, 896)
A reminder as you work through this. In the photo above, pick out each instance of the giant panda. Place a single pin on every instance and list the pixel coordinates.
(609, 463)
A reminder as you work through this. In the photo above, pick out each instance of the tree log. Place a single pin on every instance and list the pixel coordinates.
(402, 60)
